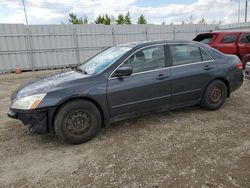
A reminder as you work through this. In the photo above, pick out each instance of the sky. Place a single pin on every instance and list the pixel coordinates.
(155, 11)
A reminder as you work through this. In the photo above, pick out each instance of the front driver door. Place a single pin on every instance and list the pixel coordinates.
(146, 89)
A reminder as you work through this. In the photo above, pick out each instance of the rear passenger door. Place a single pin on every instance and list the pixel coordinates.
(191, 69)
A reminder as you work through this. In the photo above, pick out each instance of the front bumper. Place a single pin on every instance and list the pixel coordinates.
(12, 115)
(37, 121)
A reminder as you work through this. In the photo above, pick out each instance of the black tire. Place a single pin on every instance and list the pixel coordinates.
(214, 96)
(77, 122)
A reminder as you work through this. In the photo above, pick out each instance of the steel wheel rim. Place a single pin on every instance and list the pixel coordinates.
(215, 95)
(77, 123)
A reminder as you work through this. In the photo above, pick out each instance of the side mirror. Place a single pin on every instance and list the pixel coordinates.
(123, 71)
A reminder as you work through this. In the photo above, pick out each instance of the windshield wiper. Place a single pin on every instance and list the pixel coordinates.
(79, 70)
(85, 72)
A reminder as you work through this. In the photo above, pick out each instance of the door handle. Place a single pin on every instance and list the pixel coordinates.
(162, 76)
(207, 67)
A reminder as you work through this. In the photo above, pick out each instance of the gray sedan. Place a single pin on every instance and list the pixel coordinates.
(126, 81)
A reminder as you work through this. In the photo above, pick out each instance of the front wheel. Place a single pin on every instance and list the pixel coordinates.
(214, 96)
(77, 121)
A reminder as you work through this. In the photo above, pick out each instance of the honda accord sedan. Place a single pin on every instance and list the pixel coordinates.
(126, 81)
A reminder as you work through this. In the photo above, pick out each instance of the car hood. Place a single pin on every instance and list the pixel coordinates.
(46, 84)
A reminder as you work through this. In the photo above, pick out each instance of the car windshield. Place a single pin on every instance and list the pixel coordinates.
(104, 59)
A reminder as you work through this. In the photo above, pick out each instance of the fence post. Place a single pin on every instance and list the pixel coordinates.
(174, 34)
(77, 53)
(146, 33)
(29, 47)
(113, 36)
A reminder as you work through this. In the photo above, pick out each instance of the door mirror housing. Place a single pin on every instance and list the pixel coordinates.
(123, 71)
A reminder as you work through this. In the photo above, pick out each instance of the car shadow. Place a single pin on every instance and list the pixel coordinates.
(133, 122)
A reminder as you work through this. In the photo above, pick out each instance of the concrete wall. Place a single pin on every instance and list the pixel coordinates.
(46, 46)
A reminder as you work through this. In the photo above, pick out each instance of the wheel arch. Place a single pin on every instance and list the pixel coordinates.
(86, 98)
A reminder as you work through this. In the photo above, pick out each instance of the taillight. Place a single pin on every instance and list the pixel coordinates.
(239, 65)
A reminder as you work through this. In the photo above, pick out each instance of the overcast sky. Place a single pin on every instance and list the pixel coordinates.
(155, 11)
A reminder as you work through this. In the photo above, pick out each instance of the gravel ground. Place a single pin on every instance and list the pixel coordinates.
(188, 147)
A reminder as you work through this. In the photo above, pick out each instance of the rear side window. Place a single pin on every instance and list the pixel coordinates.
(185, 54)
(228, 39)
(205, 56)
(245, 38)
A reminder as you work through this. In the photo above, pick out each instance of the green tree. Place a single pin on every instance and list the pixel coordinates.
(120, 19)
(202, 21)
(107, 20)
(141, 20)
(75, 20)
(99, 20)
(127, 18)
(103, 19)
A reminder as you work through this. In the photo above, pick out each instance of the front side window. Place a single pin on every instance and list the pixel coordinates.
(185, 54)
(228, 39)
(101, 61)
(146, 59)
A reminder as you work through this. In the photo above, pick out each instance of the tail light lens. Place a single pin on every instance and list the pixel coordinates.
(239, 65)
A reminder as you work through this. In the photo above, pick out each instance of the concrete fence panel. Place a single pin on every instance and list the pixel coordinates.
(37, 47)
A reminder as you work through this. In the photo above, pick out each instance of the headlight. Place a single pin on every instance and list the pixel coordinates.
(29, 102)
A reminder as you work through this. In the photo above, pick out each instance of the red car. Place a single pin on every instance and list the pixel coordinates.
(235, 42)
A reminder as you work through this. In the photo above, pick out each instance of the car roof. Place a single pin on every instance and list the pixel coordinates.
(224, 32)
(146, 43)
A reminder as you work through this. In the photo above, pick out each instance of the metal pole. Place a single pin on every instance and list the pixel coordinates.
(239, 12)
(29, 47)
(246, 11)
(24, 8)
(78, 61)
(113, 35)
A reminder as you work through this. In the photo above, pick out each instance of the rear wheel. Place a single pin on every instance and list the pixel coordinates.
(77, 121)
(214, 96)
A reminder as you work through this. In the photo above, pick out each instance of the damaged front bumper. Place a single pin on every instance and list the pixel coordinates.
(37, 121)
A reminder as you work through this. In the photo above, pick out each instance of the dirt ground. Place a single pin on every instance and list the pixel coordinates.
(188, 147)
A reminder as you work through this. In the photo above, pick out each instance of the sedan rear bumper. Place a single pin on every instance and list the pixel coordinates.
(37, 122)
